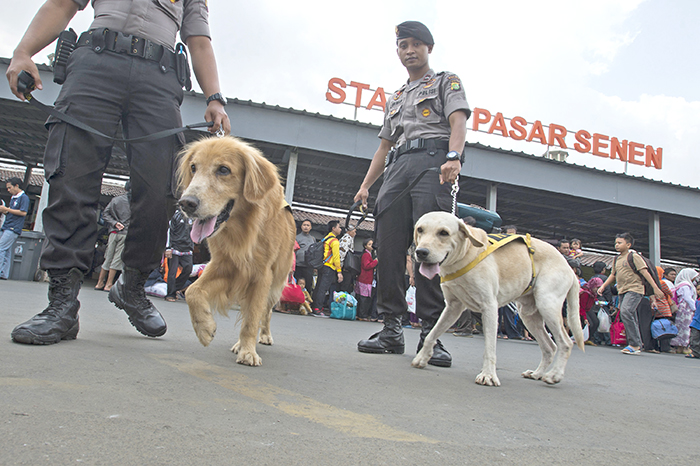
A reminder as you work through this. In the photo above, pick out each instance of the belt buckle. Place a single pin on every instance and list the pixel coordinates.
(138, 47)
(414, 144)
(122, 43)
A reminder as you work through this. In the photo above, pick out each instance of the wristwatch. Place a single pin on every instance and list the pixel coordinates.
(453, 155)
(218, 96)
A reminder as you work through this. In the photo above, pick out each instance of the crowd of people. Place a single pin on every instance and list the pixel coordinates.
(673, 294)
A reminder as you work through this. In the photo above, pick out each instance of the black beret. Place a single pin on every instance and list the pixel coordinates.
(416, 30)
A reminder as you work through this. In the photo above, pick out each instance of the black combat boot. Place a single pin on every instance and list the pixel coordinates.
(129, 294)
(389, 340)
(59, 321)
(441, 357)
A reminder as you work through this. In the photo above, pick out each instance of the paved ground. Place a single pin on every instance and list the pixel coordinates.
(115, 397)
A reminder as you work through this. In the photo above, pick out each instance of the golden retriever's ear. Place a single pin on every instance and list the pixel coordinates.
(260, 175)
(464, 230)
(184, 172)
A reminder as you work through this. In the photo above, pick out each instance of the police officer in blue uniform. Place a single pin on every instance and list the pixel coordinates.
(124, 72)
(424, 127)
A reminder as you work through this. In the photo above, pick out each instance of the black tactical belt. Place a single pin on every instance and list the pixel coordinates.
(25, 85)
(102, 39)
(417, 144)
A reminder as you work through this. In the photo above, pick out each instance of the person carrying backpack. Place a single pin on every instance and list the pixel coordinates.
(631, 288)
(330, 272)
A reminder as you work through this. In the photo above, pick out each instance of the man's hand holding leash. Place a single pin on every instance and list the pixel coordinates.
(449, 171)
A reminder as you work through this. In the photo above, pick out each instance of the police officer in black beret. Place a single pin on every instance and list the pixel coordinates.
(425, 122)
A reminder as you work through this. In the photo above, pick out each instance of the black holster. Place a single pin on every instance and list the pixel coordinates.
(182, 68)
(390, 157)
(65, 45)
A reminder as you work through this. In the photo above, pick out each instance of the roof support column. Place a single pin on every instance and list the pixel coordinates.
(654, 238)
(43, 202)
(291, 175)
(27, 176)
(491, 197)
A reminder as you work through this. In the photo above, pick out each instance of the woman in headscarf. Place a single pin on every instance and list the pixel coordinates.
(686, 294)
(589, 313)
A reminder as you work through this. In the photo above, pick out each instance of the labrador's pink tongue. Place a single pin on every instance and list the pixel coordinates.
(200, 230)
(429, 270)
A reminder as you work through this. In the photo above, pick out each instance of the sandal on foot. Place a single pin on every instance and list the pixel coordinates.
(630, 350)
(692, 356)
(171, 299)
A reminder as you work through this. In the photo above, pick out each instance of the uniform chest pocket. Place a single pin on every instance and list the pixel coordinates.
(394, 110)
(428, 108)
(172, 9)
(394, 116)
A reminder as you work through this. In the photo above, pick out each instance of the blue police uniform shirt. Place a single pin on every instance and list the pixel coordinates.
(16, 222)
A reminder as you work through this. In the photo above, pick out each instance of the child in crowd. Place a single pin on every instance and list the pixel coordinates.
(695, 331)
(306, 306)
(576, 252)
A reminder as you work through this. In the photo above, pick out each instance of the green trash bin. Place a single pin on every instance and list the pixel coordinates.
(25, 255)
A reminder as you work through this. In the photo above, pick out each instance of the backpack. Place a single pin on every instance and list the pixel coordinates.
(352, 263)
(648, 289)
(314, 254)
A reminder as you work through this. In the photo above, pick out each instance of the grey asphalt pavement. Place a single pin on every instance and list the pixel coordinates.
(115, 397)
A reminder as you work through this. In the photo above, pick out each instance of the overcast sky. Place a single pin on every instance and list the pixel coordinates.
(623, 68)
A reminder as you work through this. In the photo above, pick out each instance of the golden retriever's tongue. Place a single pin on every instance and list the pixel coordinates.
(429, 270)
(202, 230)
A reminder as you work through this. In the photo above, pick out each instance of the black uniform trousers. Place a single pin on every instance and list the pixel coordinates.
(394, 233)
(105, 90)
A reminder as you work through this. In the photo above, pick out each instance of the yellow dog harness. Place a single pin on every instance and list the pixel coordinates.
(497, 241)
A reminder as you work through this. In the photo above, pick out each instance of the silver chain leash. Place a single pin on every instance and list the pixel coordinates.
(455, 190)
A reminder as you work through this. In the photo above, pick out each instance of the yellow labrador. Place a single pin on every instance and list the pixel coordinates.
(234, 195)
(445, 245)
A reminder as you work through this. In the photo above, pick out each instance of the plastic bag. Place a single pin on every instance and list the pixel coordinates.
(604, 319)
(586, 334)
(411, 299)
(344, 298)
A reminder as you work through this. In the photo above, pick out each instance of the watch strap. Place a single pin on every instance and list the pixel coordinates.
(454, 155)
(218, 96)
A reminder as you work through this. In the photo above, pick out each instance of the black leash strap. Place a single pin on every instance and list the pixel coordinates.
(79, 124)
(408, 189)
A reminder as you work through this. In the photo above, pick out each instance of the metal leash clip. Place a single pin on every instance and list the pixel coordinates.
(220, 132)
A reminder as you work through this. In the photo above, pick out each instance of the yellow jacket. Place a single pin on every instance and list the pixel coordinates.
(331, 248)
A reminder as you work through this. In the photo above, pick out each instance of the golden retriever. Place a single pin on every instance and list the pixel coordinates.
(234, 195)
(445, 245)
